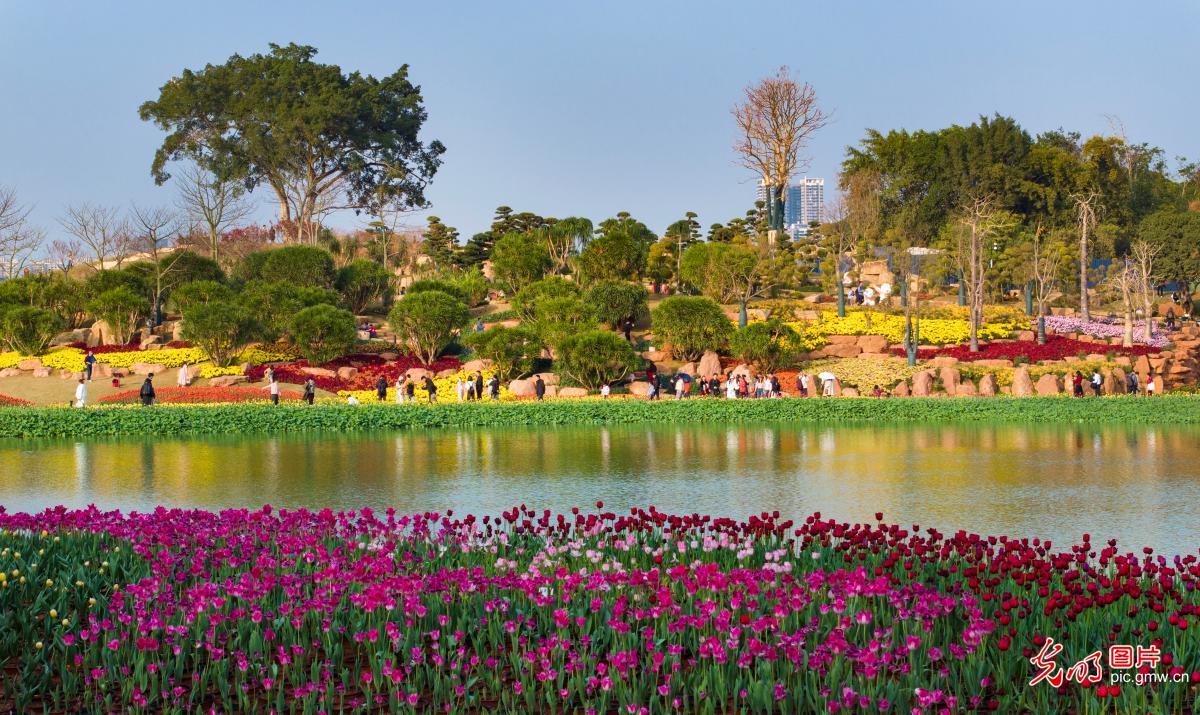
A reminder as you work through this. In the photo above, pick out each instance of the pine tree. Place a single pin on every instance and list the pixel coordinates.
(441, 243)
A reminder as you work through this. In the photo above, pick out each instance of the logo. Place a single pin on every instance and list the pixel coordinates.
(1142, 660)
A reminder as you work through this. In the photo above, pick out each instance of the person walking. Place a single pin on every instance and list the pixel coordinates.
(478, 385)
(81, 393)
(410, 389)
(1131, 383)
(679, 387)
(604, 391)
(776, 388)
(1097, 382)
(381, 389)
(730, 388)
(539, 388)
(802, 384)
(310, 390)
(627, 328)
(89, 362)
(460, 388)
(1151, 385)
(431, 389)
(273, 387)
(494, 388)
(146, 392)
(182, 379)
(400, 389)
(651, 390)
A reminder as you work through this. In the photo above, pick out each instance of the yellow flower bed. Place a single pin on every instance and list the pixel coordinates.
(933, 331)
(170, 357)
(444, 385)
(209, 371)
(10, 359)
(261, 354)
(865, 373)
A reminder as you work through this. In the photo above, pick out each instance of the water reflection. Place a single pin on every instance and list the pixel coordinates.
(1139, 485)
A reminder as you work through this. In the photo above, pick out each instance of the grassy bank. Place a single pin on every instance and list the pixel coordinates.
(263, 418)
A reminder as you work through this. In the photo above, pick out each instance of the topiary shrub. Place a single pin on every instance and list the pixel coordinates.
(595, 357)
(299, 265)
(549, 287)
(511, 350)
(519, 259)
(122, 309)
(362, 283)
(323, 332)
(614, 302)
(427, 284)
(690, 325)
(554, 318)
(473, 286)
(194, 293)
(28, 330)
(770, 345)
(427, 320)
(221, 328)
(275, 302)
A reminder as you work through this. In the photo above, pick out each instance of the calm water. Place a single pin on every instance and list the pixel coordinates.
(1139, 485)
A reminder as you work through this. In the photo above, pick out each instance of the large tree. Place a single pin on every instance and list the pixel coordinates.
(213, 203)
(321, 139)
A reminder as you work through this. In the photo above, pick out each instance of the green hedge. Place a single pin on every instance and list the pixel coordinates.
(264, 418)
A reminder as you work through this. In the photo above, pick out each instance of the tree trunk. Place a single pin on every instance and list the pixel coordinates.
(1148, 307)
(1041, 327)
(1084, 310)
(1127, 338)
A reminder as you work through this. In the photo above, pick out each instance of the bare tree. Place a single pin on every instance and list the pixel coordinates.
(213, 204)
(1144, 253)
(154, 231)
(1045, 262)
(63, 255)
(1125, 282)
(979, 223)
(99, 228)
(775, 121)
(1087, 206)
(18, 239)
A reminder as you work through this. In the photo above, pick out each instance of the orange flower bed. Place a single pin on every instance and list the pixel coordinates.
(6, 401)
(200, 395)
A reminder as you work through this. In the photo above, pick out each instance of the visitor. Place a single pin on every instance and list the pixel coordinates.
(116, 382)
(182, 379)
(270, 374)
(1131, 383)
(877, 392)
(651, 390)
(431, 389)
(146, 392)
(381, 389)
(828, 387)
(776, 388)
(351, 400)
(652, 373)
(460, 388)
(1097, 382)
(410, 389)
(743, 387)
(627, 328)
(1151, 385)
(714, 386)
(1077, 384)
(478, 385)
(273, 387)
(679, 387)
(730, 388)
(479, 325)
(605, 390)
(371, 331)
(89, 362)
(539, 388)
(310, 390)
(81, 393)
(494, 388)
(1171, 320)
(802, 384)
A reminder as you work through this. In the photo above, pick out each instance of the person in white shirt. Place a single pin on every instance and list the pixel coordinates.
(400, 389)
(605, 390)
(182, 380)
(81, 393)
(680, 386)
(731, 388)
(459, 388)
(351, 400)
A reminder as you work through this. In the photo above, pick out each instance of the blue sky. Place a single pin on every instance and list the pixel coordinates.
(573, 108)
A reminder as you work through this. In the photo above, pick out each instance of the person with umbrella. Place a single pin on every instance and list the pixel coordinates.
(828, 380)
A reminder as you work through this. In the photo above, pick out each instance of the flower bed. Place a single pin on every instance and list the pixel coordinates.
(369, 366)
(244, 611)
(865, 373)
(1057, 347)
(1100, 328)
(933, 331)
(199, 395)
(443, 385)
(6, 401)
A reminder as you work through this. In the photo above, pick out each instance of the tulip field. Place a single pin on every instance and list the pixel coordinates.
(585, 612)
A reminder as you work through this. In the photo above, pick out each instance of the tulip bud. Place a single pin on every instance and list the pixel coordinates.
(53, 613)
(38, 645)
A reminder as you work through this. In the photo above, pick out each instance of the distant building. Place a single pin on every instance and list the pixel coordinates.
(804, 204)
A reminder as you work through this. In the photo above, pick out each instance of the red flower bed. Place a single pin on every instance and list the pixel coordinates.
(1056, 348)
(129, 348)
(370, 367)
(6, 401)
(194, 395)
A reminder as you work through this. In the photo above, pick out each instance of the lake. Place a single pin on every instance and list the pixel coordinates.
(1140, 485)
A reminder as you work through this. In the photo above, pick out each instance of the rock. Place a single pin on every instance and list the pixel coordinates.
(153, 342)
(318, 372)
(417, 373)
(41, 372)
(1093, 357)
(843, 339)
(67, 374)
(689, 368)
(641, 389)
(987, 385)
(1027, 336)
(477, 365)
(10, 372)
(1110, 386)
(448, 372)
(837, 388)
(349, 373)
(118, 372)
(1123, 360)
(742, 369)
(1006, 390)
(30, 364)
(843, 350)
(1047, 385)
(710, 364)
(177, 330)
(100, 334)
(1142, 368)
(992, 363)
(521, 388)
(814, 385)
(965, 389)
(547, 377)
(872, 343)
(950, 380)
(654, 356)
(922, 384)
(227, 380)
(147, 368)
(901, 390)
(572, 392)
(102, 369)
(551, 391)
(943, 361)
(849, 392)
(389, 356)
(1022, 384)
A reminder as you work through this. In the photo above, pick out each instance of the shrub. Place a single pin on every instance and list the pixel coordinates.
(186, 267)
(221, 329)
(105, 280)
(427, 321)
(614, 256)
(595, 357)
(770, 344)
(519, 259)
(554, 318)
(298, 265)
(511, 350)
(614, 302)
(323, 332)
(361, 283)
(28, 330)
(195, 293)
(427, 284)
(122, 309)
(274, 303)
(549, 287)
(690, 325)
(472, 285)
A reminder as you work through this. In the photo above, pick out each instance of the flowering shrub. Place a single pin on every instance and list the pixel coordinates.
(260, 354)
(444, 386)
(1056, 348)
(369, 366)
(293, 611)
(933, 331)
(200, 395)
(865, 373)
(6, 401)
(1101, 328)
(209, 371)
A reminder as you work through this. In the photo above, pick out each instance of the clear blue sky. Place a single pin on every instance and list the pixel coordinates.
(589, 108)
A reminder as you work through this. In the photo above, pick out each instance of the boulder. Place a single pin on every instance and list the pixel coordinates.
(30, 364)
(689, 368)
(521, 388)
(69, 375)
(448, 372)
(153, 342)
(415, 373)
(476, 365)
(843, 339)
(850, 392)
(572, 392)
(227, 380)
(1047, 385)
(965, 389)
(551, 391)
(102, 369)
(843, 350)
(654, 355)
(318, 371)
(901, 389)
(100, 334)
(987, 385)
(742, 369)
(872, 343)
(710, 364)
(641, 389)
(10, 372)
(118, 372)
(389, 356)
(1027, 336)
(147, 368)
(1110, 386)
(547, 377)
(922, 384)
(41, 372)
(950, 380)
(943, 361)
(1022, 384)
(177, 330)
(348, 373)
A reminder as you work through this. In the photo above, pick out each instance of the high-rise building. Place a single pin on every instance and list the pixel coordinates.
(804, 203)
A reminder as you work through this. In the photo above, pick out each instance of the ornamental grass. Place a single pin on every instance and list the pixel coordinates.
(527, 611)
